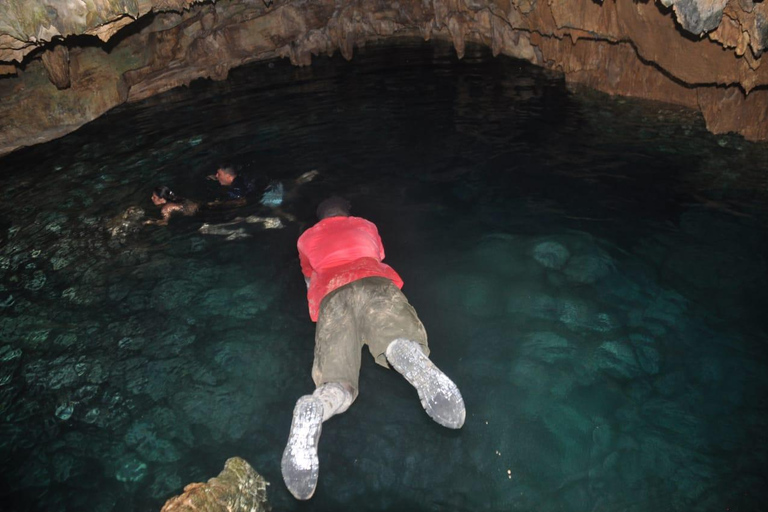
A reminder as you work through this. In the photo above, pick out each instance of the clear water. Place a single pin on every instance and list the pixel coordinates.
(591, 271)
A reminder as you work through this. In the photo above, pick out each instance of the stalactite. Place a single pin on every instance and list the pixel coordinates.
(56, 63)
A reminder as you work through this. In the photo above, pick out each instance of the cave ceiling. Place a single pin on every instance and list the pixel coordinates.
(65, 62)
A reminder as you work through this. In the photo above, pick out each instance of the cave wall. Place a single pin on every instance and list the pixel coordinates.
(65, 62)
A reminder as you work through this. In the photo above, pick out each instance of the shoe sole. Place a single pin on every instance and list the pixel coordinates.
(439, 396)
(300, 464)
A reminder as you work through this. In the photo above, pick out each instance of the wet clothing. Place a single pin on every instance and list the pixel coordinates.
(241, 187)
(337, 251)
(370, 311)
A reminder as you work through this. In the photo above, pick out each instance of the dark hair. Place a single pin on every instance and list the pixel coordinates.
(166, 193)
(333, 207)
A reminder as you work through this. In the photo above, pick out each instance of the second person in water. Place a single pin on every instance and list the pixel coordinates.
(237, 190)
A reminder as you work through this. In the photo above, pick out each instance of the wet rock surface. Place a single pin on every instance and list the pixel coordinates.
(144, 48)
(238, 488)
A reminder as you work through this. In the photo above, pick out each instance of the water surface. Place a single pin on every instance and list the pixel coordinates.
(590, 269)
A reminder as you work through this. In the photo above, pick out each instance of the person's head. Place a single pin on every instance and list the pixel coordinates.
(225, 175)
(333, 207)
(162, 195)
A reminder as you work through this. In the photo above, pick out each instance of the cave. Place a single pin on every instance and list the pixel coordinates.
(572, 196)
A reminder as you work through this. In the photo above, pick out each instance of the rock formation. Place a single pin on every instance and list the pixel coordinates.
(238, 488)
(64, 63)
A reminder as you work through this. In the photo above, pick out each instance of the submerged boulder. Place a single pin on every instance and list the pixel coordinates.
(551, 254)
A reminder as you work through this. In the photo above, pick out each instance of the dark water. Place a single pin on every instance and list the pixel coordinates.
(591, 271)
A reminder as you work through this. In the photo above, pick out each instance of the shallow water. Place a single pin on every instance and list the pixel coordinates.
(591, 271)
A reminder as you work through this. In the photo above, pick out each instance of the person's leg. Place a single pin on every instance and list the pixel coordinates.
(335, 371)
(395, 335)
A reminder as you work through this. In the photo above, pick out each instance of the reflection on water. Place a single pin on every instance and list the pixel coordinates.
(590, 269)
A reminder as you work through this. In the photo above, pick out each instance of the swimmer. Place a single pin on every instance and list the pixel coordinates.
(237, 187)
(170, 204)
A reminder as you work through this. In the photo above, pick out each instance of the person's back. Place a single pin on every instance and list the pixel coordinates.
(338, 250)
(340, 240)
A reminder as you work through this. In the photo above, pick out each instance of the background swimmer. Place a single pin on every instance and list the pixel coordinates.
(170, 203)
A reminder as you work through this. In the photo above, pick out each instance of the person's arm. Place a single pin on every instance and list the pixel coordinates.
(306, 267)
(373, 232)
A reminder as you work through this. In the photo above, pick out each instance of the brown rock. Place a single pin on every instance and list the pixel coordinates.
(726, 109)
(620, 47)
(56, 63)
(238, 488)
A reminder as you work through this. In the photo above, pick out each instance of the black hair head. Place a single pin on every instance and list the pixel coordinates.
(166, 193)
(333, 207)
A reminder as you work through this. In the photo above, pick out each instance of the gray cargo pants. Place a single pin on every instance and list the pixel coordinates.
(370, 311)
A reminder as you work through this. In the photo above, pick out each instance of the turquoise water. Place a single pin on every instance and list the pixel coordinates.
(591, 271)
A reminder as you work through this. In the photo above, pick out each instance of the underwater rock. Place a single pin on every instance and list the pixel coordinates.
(646, 352)
(226, 411)
(543, 379)
(672, 417)
(238, 488)
(617, 358)
(165, 483)
(131, 469)
(65, 466)
(216, 300)
(60, 372)
(668, 307)
(36, 281)
(170, 425)
(67, 339)
(579, 314)
(171, 342)
(143, 438)
(589, 268)
(131, 344)
(10, 360)
(65, 410)
(532, 299)
(535, 300)
(250, 300)
(547, 347)
(172, 294)
(551, 254)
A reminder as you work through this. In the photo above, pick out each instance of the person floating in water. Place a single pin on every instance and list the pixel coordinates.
(171, 204)
(356, 300)
(238, 190)
(237, 185)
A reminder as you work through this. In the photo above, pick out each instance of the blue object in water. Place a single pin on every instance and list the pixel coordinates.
(273, 194)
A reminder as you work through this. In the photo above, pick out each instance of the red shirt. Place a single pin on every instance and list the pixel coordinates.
(337, 251)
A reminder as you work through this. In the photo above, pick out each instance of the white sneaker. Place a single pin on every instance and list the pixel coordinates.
(439, 395)
(300, 464)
